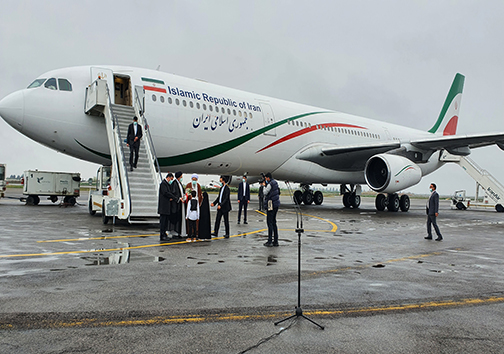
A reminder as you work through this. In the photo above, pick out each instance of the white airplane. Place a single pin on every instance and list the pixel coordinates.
(208, 129)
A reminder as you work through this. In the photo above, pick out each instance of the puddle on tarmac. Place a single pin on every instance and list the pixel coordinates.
(122, 256)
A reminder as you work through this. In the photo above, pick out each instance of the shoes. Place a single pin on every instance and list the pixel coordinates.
(164, 239)
(177, 236)
(428, 238)
(246, 223)
(226, 236)
(239, 222)
(131, 169)
(439, 239)
(268, 244)
(275, 244)
(188, 240)
(214, 234)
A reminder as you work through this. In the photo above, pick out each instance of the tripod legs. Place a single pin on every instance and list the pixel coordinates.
(299, 313)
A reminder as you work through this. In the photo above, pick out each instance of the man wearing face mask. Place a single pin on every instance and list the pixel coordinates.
(243, 199)
(133, 142)
(432, 213)
(223, 203)
(194, 186)
(166, 198)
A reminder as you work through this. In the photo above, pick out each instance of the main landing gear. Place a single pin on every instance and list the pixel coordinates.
(351, 197)
(307, 196)
(392, 202)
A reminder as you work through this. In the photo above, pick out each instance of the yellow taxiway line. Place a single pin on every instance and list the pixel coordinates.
(216, 317)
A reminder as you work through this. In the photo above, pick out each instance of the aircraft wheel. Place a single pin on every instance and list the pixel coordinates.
(355, 200)
(461, 206)
(298, 197)
(318, 197)
(404, 202)
(346, 200)
(90, 208)
(380, 202)
(393, 204)
(307, 197)
(105, 218)
(499, 208)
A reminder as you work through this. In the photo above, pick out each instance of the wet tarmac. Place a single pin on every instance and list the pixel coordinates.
(70, 284)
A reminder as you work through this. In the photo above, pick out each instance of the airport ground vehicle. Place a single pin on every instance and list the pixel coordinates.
(96, 196)
(51, 184)
(3, 183)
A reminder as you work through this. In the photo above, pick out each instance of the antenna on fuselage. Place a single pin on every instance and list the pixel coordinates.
(158, 67)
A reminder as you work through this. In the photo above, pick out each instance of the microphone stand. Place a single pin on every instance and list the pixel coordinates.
(299, 231)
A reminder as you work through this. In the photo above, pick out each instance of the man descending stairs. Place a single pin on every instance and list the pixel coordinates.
(143, 185)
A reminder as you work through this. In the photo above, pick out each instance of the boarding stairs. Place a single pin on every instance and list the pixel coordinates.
(493, 189)
(134, 193)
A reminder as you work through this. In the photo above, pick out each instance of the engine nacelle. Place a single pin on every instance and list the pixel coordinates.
(391, 173)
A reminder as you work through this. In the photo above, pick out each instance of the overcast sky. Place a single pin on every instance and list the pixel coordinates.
(387, 60)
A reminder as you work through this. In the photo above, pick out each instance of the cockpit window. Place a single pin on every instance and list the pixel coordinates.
(51, 84)
(64, 85)
(37, 83)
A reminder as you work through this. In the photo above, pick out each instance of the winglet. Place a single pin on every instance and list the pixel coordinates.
(448, 118)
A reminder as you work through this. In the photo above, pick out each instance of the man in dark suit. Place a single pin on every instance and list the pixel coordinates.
(133, 141)
(432, 213)
(166, 198)
(223, 203)
(243, 199)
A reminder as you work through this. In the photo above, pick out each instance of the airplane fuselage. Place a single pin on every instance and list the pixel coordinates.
(201, 127)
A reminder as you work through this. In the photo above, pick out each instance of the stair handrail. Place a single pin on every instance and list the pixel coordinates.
(117, 154)
(151, 150)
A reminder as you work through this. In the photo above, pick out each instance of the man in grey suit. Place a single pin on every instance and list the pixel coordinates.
(432, 213)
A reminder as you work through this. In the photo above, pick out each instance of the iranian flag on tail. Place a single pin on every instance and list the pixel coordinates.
(448, 118)
(153, 85)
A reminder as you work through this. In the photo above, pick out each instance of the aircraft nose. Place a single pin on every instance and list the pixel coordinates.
(12, 109)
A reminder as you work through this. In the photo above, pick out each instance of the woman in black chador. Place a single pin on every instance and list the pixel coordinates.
(204, 221)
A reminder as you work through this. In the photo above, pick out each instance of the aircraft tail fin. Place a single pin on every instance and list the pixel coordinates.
(448, 118)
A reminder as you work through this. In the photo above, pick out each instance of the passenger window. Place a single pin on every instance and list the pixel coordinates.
(197, 105)
(161, 98)
(64, 85)
(191, 104)
(154, 98)
(184, 103)
(51, 84)
(170, 100)
(217, 109)
(210, 108)
(204, 107)
(37, 83)
(177, 102)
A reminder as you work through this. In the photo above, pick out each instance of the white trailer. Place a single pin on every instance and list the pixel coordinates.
(51, 184)
(3, 183)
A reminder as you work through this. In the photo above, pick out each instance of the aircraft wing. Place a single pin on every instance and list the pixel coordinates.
(344, 158)
(459, 144)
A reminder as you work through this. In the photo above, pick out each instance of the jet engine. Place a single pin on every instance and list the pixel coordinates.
(390, 173)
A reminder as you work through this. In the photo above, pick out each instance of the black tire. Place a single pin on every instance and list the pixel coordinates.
(380, 202)
(90, 208)
(30, 200)
(307, 197)
(355, 200)
(72, 201)
(461, 206)
(66, 199)
(346, 200)
(53, 198)
(393, 204)
(499, 208)
(298, 197)
(37, 200)
(404, 203)
(105, 218)
(318, 197)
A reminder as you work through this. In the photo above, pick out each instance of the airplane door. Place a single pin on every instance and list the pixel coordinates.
(140, 93)
(105, 74)
(268, 118)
